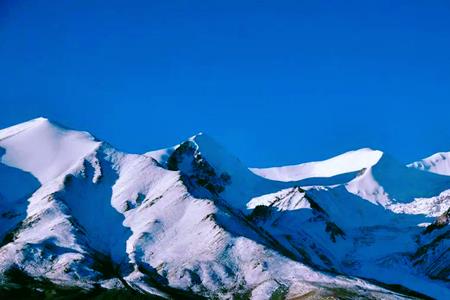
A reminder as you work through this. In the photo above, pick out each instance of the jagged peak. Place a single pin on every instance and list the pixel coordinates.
(212, 151)
(202, 139)
(162, 155)
(216, 153)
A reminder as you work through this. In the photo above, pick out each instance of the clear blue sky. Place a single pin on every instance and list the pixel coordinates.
(277, 82)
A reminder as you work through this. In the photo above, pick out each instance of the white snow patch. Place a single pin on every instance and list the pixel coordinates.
(348, 162)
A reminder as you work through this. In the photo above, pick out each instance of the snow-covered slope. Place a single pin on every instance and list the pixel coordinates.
(438, 163)
(388, 182)
(44, 149)
(352, 161)
(192, 221)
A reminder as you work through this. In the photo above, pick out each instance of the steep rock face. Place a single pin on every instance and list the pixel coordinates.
(433, 255)
(193, 221)
(443, 220)
(197, 171)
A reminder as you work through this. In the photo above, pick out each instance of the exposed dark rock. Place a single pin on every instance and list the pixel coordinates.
(334, 231)
(260, 212)
(196, 171)
(440, 222)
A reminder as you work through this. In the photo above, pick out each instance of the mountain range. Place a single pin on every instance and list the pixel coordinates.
(81, 218)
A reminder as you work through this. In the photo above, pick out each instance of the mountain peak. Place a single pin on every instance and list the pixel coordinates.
(42, 119)
(215, 152)
(197, 135)
(389, 181)
(203, 139)
(44, 148)
(30, 125)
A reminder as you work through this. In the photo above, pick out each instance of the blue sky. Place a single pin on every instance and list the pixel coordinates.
(277, 82)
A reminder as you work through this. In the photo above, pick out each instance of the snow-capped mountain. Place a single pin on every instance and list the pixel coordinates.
(193, 221)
